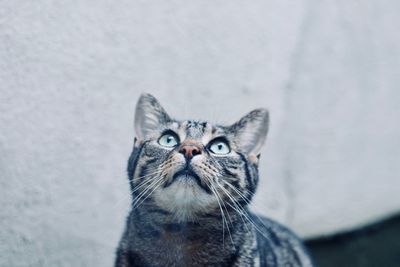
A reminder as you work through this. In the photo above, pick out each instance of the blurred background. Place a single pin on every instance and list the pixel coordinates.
(71, 73)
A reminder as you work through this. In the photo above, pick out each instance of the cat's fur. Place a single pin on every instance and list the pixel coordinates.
(190, 205)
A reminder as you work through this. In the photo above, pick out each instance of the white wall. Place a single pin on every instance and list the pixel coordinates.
(71, 72)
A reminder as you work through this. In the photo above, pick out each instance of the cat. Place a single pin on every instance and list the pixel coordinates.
(191, 183)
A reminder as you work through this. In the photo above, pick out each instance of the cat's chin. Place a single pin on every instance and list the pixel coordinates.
(185, 198)
(187, 178)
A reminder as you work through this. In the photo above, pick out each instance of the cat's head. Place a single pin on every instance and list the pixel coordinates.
(191, 167)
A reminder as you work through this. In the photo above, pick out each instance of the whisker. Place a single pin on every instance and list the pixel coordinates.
(157, 185)
(148, 188)
(222, 216)
(220, 208)
(146, 182)
(142, 184)
(154, 171)
(144, 192)
(237, 207)
(250, 219)
(244, 212)
(136, 189)
(229, 217)
(159, 171)
(222, 212)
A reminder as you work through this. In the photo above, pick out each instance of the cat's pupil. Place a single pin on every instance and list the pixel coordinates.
(220, 146)
(169, 139)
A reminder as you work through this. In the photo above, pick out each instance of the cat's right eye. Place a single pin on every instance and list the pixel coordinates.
(168, 140)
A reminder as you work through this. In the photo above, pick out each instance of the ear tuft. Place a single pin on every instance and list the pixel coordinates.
(251, 131)
(149, 115)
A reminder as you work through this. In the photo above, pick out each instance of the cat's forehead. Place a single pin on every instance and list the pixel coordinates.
(198, 129)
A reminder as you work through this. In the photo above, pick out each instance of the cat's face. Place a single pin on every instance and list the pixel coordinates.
(193, 167)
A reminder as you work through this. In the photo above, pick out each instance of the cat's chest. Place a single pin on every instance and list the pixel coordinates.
(182, 248)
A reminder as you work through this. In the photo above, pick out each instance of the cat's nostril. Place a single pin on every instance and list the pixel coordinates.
(195, 151)
(189, 151)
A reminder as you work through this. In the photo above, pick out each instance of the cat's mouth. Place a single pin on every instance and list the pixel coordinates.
(188, 175)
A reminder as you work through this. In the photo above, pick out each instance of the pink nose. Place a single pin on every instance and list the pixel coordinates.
(189, 151)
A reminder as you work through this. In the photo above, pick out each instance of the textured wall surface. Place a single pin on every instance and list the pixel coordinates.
(71, 72)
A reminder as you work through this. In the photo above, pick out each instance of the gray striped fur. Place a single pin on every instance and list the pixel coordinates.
(201, 218)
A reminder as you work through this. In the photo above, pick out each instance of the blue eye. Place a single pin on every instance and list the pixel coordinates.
(168, 140)
(219, 147)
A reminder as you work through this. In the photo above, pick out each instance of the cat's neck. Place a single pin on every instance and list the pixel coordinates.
(162, 239)
(151, 216)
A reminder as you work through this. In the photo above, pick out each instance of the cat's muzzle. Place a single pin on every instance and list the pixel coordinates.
(188, 173)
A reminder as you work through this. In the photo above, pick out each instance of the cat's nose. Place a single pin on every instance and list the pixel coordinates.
(189, 151)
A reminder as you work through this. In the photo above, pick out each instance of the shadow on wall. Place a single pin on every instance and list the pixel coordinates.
(372, 246)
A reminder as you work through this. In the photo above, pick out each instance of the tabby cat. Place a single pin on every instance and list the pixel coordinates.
(192, 182)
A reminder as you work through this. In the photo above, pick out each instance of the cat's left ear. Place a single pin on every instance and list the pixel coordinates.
(149, 115)
(251, 131)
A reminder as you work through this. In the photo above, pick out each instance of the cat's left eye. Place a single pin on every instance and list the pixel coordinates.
(168, 140)
(219, 147)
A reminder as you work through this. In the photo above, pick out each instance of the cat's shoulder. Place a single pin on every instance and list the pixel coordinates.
(276, 231)
(278, 244)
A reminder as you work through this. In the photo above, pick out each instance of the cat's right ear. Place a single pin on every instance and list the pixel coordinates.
(251, 131)
(149, 115)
